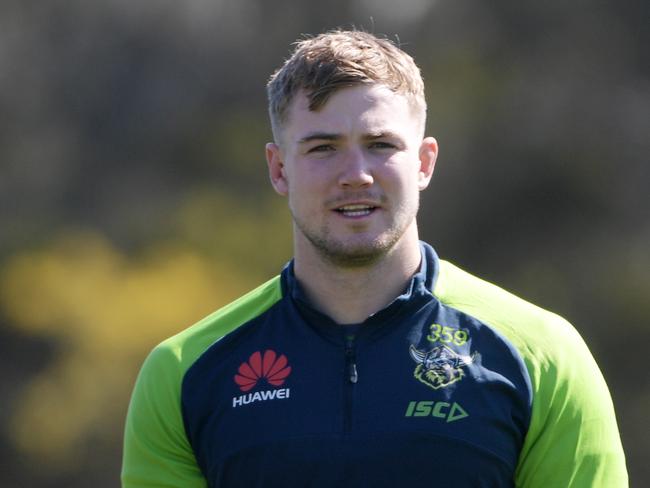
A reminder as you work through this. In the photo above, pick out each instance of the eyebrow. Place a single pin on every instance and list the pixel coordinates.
(326, 136)
(320, 136)
(381, 135)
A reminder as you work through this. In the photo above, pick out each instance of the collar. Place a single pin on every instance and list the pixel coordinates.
(416, 293)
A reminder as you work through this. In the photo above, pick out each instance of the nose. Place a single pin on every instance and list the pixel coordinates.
(356, 171)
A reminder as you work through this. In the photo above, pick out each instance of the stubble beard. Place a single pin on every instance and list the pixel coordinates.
(356, 253)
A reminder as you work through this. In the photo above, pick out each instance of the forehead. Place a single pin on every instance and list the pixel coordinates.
(352, 111)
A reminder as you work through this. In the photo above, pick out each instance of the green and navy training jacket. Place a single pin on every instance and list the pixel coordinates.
(455, 383)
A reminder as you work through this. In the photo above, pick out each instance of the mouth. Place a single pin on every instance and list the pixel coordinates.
(356, 210)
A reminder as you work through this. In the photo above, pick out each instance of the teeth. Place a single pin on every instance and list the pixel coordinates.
(355, 210)
(352, 208)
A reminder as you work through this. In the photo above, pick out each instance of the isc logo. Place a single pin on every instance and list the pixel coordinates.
(442, 410)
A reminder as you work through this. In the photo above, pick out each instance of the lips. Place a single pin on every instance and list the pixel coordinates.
(356, 210)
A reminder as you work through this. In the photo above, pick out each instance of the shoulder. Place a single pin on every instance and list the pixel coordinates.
(157, 451)
(572, 438)
(552, 349)
(535, 332)
(182, 349)
(156, 447)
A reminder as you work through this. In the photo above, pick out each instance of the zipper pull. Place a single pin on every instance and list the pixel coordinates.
(354, 376)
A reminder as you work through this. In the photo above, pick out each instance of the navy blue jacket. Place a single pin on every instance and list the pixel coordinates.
(270, 392)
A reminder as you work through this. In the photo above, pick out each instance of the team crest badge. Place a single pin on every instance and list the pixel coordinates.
(439, 367)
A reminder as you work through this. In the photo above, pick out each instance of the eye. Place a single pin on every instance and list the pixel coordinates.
(381, 145)
(321, 148)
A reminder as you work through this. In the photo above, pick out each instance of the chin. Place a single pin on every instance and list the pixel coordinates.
(353, 254)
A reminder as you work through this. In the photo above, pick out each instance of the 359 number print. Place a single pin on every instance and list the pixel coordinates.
(447, 335)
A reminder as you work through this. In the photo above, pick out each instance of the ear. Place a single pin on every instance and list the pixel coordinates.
(428, 154)
(275, 162)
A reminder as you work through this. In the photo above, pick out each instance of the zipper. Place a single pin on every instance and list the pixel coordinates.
(351, 379)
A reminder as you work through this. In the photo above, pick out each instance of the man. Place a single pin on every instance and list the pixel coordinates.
(368, 361)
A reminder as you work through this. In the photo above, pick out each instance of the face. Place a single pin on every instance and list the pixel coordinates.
(352, 172)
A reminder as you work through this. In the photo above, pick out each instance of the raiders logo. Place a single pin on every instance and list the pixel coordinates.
(439, 367)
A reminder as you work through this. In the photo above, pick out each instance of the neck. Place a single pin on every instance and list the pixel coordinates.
(349, 295)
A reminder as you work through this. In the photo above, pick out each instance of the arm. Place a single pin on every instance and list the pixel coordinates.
(573, 439)
(156, 450)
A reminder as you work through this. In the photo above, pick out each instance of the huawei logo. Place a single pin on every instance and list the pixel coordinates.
(270, 366)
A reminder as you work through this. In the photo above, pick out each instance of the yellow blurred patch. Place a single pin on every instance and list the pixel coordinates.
(105, 311)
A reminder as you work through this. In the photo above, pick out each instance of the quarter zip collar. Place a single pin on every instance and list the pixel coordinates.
(417, 292)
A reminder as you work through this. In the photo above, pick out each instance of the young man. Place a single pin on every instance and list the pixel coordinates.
(368, 361)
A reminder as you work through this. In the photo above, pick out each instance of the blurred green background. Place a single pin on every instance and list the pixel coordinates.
(134, 196)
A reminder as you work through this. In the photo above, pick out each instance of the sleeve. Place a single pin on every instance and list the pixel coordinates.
(573, 440)
(157, 452)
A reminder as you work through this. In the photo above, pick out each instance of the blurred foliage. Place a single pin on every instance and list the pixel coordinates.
(134, 195)
(105, 310)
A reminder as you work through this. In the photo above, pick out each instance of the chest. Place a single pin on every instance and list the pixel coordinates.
(440, 386)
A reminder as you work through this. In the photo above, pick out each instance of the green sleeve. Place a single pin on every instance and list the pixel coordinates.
(156, 450)
(573, 439)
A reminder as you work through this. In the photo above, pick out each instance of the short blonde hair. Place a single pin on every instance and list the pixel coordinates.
(321, 65)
